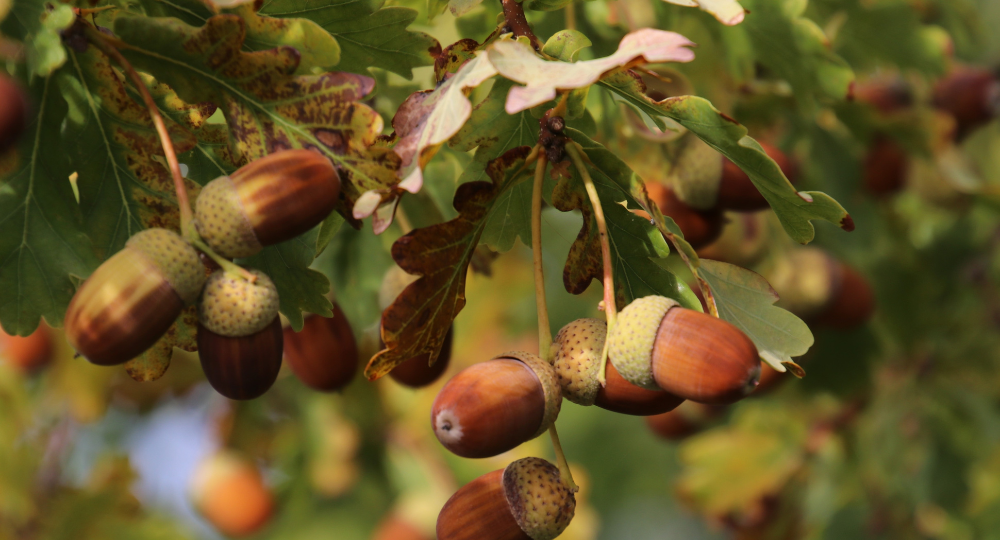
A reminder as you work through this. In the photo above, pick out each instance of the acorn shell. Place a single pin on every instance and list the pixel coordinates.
(27, 354)
(229, 491)
(970, 95)
(886, 167)
(418, 372)
(479, 510)
(623, 397)
(686, 420)
(852, 301)
(738, 192)
(699, 228)
(241, 367)
(324, 354)
(13, 113)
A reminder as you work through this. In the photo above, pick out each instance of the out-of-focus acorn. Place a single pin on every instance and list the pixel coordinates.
(700, 228)
(971, 95)
(131, 300)
(853, 301)
(239, 334)
(27, 354)
(417, 372)
(886, 166)
(771, 379)
(394, 527)
(267, 201)
(576, 354)
(887, 94)
(737, 191)
(821, 289)
(686, 420)
(656, 344)
(229, 492)
(743, 241)
(491, 407)
(324, 354)
(13, 113)
(527, 500)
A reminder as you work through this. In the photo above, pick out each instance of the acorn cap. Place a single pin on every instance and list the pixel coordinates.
(550, 385)
(232, 306)
(241, 367)
(541, 503)
(222, 221)
(576, 355)
(633, 337)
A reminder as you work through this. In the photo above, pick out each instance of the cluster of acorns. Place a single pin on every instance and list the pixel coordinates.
(134, 297)
(660, 354)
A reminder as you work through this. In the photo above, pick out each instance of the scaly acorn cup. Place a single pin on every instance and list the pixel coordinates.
(525, 501)
(13, 113)
(700, 228)
(267, 201)
(576, 356)
(656, 344)
(418, 372)
(131, 300)
(491, 407)
(228, 490)
(324, 354)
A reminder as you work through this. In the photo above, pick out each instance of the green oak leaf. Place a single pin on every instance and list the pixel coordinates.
(300, 288)
(795, 209)
(327, 231)
(745, 299)
(369, 34)
(636, 244)
(38, 27)
(565, 45)
(874, 34)
(268, 108)
(44, 251)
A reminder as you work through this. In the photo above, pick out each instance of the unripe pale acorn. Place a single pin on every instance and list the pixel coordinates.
(13, 113)
(700, 228)
(417, 372)
(525, 501)
(491, 407)
(267, 201)
(229, 491)
(242, 367)
(576, 359)
(324, 354)
(27, 354)
(131, 300)
(658, 345)
(971, 95)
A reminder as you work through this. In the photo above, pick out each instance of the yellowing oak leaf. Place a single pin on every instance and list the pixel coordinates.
(729, 12)
(518, 62)
(745, 299)
(427, 119)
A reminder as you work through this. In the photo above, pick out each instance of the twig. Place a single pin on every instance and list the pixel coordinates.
(564, 471)
(513, 13)
(228, 266)
(610, 308)
(570, 14)
(544, 330)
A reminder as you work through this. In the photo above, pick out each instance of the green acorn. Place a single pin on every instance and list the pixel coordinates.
(131, 300)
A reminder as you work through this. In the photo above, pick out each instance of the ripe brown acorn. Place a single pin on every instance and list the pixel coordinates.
(822, 290)
(131, 300)
(700, 228)
(887, 94)
(684, 421)
(267, 201)
(527, 500)
(324, 354)
(394, 527)
(853, 301)
(491, 407)
(971, 95)
(242, 367)
(229, 492)
(576, 359)
(417, 372)
(13, 113)
(27, 354)
(737, 191)
(885, 167)
(656, 344)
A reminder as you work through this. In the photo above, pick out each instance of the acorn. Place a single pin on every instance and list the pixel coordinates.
(886, 94)
(491, 407)
(229, 492)
(971, 95)
(822, 290)
(853, 301)
(418, 372)
(737, 191)
(684, 421)
(13, 113)
(131, 300)
(395, 527)
(700, 228)
(239, 334)
(576, 354)
(771, 379)
(886, 166)
(527, 500)
(267, 201)
(27, 354)
(656, 344)
(324, 354)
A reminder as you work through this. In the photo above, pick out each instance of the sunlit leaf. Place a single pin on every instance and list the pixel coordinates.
(39, 27)
(729, 12)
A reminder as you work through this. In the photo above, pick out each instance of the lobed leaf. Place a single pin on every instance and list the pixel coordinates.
(728, 12)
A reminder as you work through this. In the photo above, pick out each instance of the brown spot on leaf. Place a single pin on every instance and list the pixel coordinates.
(847, 223)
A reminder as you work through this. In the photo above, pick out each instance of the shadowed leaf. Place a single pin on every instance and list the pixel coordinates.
(32, 22)
(153, 363)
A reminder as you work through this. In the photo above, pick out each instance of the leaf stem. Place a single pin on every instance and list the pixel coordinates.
(564, 471)
(570, 14)
(544, 330)
(228, 266)
(513, 13)
(610, 308)
(187, 217)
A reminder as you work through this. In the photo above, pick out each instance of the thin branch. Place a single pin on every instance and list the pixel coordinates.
(228, 266)
(513, 13)
(544, 330)
(570, 13)
(564, 471)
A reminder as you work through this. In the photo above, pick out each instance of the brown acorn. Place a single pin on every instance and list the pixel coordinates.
(822, 290)
(887, 94)
(417, 372)
(885, 167)
(324, 354)
(699, 227)
(267, 201)
(656, 344)
(527, 500)
(576, 358)
(684, 421)
(737, 191)
(491, 407)
(131, 300)
(394, 527)
(27, 354)
(13, 113)
(241, 367)
(971, 95)
(229, 492)
(853, 301)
